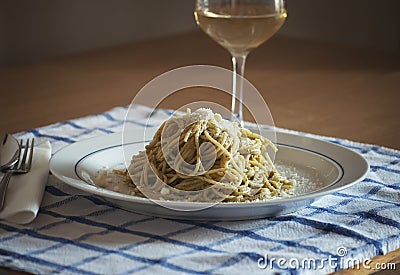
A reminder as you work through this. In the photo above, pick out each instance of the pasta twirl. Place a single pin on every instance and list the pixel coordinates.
(210, 157)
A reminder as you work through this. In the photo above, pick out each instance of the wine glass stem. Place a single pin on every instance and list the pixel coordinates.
(237, 87)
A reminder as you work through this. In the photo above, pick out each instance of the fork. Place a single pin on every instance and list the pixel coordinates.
(22, 166)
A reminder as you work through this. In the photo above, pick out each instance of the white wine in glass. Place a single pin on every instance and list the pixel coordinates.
(240, 26)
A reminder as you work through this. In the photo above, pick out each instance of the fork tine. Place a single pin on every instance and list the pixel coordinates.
(19, 154)
(23, 161)
(31, 154)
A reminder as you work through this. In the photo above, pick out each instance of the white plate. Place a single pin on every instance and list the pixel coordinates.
(327, 166)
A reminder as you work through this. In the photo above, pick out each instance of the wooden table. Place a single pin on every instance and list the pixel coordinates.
(309, 86)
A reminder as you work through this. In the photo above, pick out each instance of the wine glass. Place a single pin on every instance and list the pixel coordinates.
(239, 26)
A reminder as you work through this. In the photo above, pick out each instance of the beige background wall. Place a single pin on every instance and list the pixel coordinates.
(33, 30)
(37, 29)
(365, 23)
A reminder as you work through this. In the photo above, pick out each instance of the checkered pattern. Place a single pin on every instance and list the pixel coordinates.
(81, 234)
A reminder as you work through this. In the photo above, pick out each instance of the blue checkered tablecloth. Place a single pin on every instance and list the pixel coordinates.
(77, 233)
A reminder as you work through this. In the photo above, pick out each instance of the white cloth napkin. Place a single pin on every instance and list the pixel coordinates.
(25, 192)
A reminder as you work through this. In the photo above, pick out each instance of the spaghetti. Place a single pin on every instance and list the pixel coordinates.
(209, 159)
